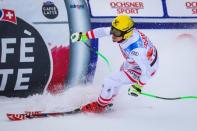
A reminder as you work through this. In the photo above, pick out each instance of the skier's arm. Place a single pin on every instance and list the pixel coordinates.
(92, 34)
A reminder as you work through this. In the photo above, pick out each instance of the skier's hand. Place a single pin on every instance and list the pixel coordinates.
(78, 36)
(135, 90)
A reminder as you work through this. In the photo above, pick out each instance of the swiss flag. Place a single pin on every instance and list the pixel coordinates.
(8, 15)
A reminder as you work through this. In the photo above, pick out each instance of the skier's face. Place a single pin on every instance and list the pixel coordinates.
(116, 39)
(117, 35)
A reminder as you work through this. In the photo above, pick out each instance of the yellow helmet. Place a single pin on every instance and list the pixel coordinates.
(124, 24)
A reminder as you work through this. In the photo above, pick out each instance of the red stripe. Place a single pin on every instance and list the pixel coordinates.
(106, 102)
(133, 80)
(132, 62)
(142, 84)
(124, 55)
(92, 34)
(105, 99)
(87, 35)
(122, 67)
(139, 73)
(152, 73)
(102, 103)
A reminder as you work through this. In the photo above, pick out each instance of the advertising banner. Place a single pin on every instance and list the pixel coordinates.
(145, 8)
(35, 50)
(34, 46)
(182, 8)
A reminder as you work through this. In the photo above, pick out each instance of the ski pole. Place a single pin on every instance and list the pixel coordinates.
(99, 54)
(168, 98)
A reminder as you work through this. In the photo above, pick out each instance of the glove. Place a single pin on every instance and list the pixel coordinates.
(78, 36)
(135, 90)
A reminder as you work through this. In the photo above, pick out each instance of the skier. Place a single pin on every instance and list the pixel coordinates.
(141, 60)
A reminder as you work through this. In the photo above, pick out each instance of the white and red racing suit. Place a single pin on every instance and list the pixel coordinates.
(141, 63)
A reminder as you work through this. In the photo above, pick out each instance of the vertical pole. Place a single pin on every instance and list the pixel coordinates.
(79, 21)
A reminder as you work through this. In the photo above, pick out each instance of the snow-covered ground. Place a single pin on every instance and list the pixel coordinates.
(175, 77)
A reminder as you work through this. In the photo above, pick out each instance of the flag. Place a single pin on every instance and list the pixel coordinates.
(8, 15)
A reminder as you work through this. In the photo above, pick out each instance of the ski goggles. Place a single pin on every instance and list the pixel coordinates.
(119, 33)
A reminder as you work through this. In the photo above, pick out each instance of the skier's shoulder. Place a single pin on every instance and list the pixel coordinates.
(133, 42)
(135, 36)
(140, 33)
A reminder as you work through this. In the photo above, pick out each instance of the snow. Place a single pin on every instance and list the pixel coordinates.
(176, 77)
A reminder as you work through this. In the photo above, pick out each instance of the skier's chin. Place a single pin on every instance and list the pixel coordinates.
(114, 40)
(117, 40)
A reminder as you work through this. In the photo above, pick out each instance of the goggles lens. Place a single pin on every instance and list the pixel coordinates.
(116, 32)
